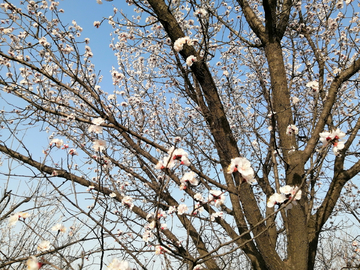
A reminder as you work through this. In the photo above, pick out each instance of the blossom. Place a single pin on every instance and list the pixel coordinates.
(216, 215)
(189, 178)
(171, 210)
(95, 128)
(198, 197)
(127, 201)
(292, 129)
(163, 226)
(98, 121)
(243, 166)
(112, 195)
(33, 264)
(159, 250)
(191, 60)
(180, 42)
(333, 138)
(314, 85)
(59, 228)
(291, 191)
(276, 198)
(118, 265)
(182, 208)
(97, 24)
(99, 145)
(295, 100)
(287, 193)
(165, 163)
(217, 198)
(43, 246)
(147, 235)
(180, 155)
(57, 142)
(15, 217)
(73, 152)
(197, 209)
(198, 267)
(200, 12)
(175, 155)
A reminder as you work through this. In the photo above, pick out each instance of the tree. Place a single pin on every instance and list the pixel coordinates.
(237, 103)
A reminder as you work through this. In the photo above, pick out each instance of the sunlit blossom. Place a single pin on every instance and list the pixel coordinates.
(56, 142)
(275, 199)
(180, 42)
(189, 178)
(98, 121)
(118, 265)
(59, 228)
(334, 139)
(191, 60)
(127, 201)
(33, 264)
(96, 129)
(217, 197)
(243, 166)
(216, 215)
(99, 145)
(292, 130)
(314, 85)
(43, 246)
(182, 209)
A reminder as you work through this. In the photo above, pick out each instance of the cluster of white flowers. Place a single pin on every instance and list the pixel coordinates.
(217, 198)
(333, 138)
(33, 264)
(15, 217)
(200, 12)
(43, 246)
(96, 127)
(188, 178)
(292, 130)
(175, 156)
(287, 193)
(191, 60)
(243, 166)
(59, 228)
(118, 265)
(314, 85)
(56, 142)
(127, 201)
(179, 43)
(99, 145)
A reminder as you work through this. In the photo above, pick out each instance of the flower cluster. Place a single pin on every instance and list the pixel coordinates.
(287, 193)
(292, 130)
(179, 43)
(188, 178)
(118, 265)
(191, 60)
(56, 142)
(33, 264)
(333, 138)
(217, 198)
(175, 156)
(314, 85)
(243, 166)
(14, 218)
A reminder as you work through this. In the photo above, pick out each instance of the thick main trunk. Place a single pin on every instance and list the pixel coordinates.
(297, 249)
